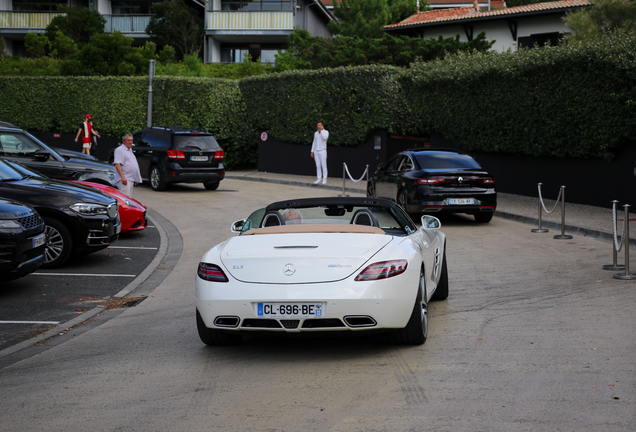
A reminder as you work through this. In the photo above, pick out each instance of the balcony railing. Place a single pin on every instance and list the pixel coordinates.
(126, 23)
(250, 20)
(26, 20)
(257, 6)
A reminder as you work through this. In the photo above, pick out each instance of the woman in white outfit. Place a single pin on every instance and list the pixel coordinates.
(319, 152)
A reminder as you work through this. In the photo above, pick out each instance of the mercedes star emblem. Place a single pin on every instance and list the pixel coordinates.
(289, 269)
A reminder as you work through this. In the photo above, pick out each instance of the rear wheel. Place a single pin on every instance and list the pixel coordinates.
(59, 243)
(370, 190)
(401, 199)
(416, 330)
(214, 337)
(156, 179)
(483, 217)
(212, 185)
(441, 293)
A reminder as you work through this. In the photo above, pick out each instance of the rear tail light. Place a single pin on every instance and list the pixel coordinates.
(211, 272)
(382, 270)
(429, 181)
(219, 155)
(176, 154)
(488, 181)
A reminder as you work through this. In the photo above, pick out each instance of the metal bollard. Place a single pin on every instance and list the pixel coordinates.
(540, 229)
(614, 265)
(627, 275)
(563, 236)
(344, 174)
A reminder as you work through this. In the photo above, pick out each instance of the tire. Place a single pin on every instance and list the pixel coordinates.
(212, 185)
(370, 190)
(156, 179)
(214, 337)
(483, 217)
(59, 243)
(416, 330)
(441, 293)
(401, 200)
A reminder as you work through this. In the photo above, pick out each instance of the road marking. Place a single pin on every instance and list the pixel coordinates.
(83, 274)
(31, 322)
(131, 247)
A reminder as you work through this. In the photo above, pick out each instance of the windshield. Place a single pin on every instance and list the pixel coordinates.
(389, 220)
(24, 170)
(199, 142)
(431, 160)
(20, 144)
(8, 173)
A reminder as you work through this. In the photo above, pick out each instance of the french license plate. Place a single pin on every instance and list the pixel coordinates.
(199, 158)
(289, 310)
(39, 240)
(461, 201)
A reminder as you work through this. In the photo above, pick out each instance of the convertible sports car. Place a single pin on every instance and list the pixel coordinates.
(315, 265)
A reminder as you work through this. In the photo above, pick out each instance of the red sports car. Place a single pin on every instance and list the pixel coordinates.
(131, 212)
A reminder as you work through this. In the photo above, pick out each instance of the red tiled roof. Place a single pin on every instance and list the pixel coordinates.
(443, 15)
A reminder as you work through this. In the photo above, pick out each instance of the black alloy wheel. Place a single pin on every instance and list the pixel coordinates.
(401, 200)
(483, 217)
(214, 337)
(212, 185)
(59, 243)
(370, 190)
(156, 179)
(416, 330)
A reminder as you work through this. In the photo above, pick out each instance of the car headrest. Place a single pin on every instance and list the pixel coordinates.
(272, 218)
(364, 217)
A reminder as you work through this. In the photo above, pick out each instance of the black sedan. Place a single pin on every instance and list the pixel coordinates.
(436, 181)
(78, 219)
(22, 240)
(20, 146)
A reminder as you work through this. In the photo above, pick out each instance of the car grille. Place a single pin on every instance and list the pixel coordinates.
(30, 221)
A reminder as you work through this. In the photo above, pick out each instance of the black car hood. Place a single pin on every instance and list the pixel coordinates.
(38, 192)
(82, 164)
(13, 210)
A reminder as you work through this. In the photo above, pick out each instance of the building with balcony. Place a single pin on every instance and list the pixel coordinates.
(258, 28)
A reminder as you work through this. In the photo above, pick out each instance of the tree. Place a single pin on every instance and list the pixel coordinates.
(38, 45)
(604, 17)
(79, 24)
(309, 52)
(176, 24)
(367, 18)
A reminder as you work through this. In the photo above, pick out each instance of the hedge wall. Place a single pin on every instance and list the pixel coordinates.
(119, 105)
(573, 101)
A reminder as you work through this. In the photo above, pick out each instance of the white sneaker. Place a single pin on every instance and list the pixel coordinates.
(317, 181)
(324, 181)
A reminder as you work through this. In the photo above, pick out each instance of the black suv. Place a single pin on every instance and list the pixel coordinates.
(20, 146)
(178, 155)
(78, 220)
(22, 240)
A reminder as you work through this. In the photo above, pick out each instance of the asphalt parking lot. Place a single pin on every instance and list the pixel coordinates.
(37, 303)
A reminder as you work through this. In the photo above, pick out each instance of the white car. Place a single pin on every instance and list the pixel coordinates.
(312, 265)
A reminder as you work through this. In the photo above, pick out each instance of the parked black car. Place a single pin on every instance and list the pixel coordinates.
(20, 146)
(436, 181)
(178, 155)
(78, 219)
(22, 240)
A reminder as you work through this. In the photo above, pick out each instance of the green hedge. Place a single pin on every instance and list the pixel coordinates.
(573, 101)
(352, 102)
(119, 105)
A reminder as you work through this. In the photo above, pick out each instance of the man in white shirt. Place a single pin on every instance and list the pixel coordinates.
(127, 175)
(319, 152)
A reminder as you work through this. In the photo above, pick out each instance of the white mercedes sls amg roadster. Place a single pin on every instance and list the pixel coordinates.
(317, 265)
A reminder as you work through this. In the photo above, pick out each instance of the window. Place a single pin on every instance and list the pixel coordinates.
(137, 7)
(540, 39)
(235, 53)
(37, 5)
(17, 145)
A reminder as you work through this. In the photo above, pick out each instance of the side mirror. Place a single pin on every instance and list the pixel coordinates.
(237, 226)
(380, 166)
(431, 222)
(41, 155)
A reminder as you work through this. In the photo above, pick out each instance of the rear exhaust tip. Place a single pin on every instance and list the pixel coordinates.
(360, 321)
(226, 321)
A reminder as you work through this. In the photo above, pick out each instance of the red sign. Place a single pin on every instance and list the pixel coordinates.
(56, 135)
